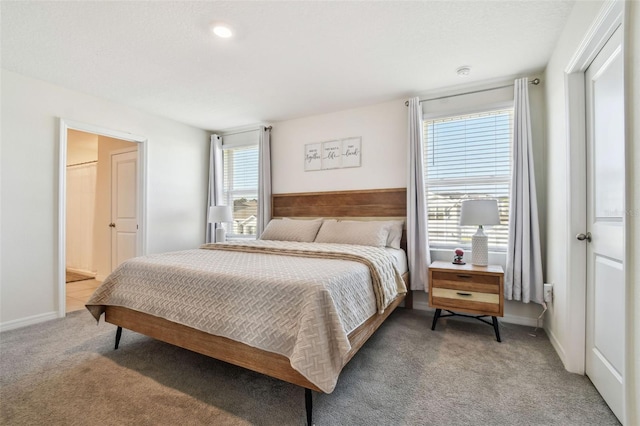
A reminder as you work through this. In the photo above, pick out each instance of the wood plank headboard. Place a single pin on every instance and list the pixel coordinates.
(360, 203)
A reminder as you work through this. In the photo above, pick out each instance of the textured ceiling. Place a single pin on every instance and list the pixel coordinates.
(288, 60)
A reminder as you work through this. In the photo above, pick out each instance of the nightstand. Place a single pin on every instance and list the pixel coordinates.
(468, 288)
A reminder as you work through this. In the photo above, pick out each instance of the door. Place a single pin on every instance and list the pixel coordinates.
(124, 207)
(605, 334)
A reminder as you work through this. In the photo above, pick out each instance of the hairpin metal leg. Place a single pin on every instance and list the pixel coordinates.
(495, 327)
(435, 318)
(118, 335)
(308, 403)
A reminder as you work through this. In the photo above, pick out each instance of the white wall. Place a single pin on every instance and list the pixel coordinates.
(176, 186)
(82, 147)
(383, 128)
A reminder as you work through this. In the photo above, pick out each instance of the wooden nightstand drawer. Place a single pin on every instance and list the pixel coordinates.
(450, 279)
(466, 300)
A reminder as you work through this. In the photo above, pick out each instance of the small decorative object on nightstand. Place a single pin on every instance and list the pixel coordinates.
(468, 288)
(458, 255)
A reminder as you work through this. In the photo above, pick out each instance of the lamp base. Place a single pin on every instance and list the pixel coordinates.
(480, 248)
(221, 236)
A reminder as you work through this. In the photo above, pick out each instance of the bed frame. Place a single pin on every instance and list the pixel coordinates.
(373, 204)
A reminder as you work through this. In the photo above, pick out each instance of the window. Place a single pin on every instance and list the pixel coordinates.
(240, 188)
(467, 156)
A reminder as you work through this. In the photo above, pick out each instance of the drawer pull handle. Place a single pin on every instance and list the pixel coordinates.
(459, 293)
(464, 276)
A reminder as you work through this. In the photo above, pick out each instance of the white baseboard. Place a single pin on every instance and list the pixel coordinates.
(519, 320)
(23, 322)
(557, 346)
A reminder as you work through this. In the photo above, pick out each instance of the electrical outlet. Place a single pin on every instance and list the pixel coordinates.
(548, 292)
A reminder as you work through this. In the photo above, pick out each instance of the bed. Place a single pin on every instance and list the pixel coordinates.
(211, 337)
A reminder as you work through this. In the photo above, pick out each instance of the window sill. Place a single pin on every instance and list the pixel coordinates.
(495, 257)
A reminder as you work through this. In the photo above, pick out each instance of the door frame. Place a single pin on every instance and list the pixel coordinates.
(64, 126)
(610, 17)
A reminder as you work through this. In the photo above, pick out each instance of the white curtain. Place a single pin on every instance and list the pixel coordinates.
(417, 233)
(215, 183)
(81, 209)
(264, 179)
(523, 278)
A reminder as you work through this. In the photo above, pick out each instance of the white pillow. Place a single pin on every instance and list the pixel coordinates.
(354, 232)
(395, 233)
(395, 230)
(291, 230)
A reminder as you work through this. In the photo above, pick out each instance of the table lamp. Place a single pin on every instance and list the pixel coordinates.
(479, 213)
(220, 214)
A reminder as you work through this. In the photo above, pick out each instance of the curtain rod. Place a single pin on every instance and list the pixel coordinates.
(535, 82)
(248, 130)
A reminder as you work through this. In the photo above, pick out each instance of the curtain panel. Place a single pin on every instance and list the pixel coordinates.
(264, 180)
(523, 277)
(417, 232)
(215, 183)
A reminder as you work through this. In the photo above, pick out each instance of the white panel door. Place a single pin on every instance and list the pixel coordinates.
(124, 207)
(605, 335)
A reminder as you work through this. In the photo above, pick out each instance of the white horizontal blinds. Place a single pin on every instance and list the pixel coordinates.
(240, 184)
(467, 156)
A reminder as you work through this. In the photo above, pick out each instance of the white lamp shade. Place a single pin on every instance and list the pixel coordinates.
(219, 214)
(479, 213)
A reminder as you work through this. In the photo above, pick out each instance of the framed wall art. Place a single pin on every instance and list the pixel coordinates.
(334, 154)
(312, 156)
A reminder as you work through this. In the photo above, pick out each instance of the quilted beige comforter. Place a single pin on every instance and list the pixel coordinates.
(300, 300)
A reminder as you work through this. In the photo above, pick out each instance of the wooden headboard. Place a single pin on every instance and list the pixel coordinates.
(374, 203)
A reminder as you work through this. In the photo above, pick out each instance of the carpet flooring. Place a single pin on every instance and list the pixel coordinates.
(65, 372)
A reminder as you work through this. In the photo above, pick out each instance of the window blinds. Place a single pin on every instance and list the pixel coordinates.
(467, 157)
(240, 188)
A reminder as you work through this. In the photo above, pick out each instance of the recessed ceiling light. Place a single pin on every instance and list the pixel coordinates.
(463, 71)
(221, 30)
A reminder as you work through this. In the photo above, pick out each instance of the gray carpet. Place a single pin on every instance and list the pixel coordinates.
(65, 372)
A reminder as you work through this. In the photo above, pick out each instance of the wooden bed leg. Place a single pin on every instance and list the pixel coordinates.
(408, 300)
(308, 403)
(118, 335)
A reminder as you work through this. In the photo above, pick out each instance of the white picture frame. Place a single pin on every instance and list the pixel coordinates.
(351, 152)
(312, 157)
(332, 154)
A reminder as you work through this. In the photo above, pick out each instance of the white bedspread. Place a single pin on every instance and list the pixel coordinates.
(277, 296)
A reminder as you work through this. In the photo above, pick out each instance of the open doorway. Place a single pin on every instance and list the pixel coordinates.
(101, 208)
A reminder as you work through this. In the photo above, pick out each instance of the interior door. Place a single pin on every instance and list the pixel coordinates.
(124, 207)
(605, 334)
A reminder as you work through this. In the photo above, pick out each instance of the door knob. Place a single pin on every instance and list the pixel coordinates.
(583, 237)
(112, 225)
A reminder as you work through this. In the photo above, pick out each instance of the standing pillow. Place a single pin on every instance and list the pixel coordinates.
(395, 230)
(354, 232)
(291, 230)
(395, 233)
